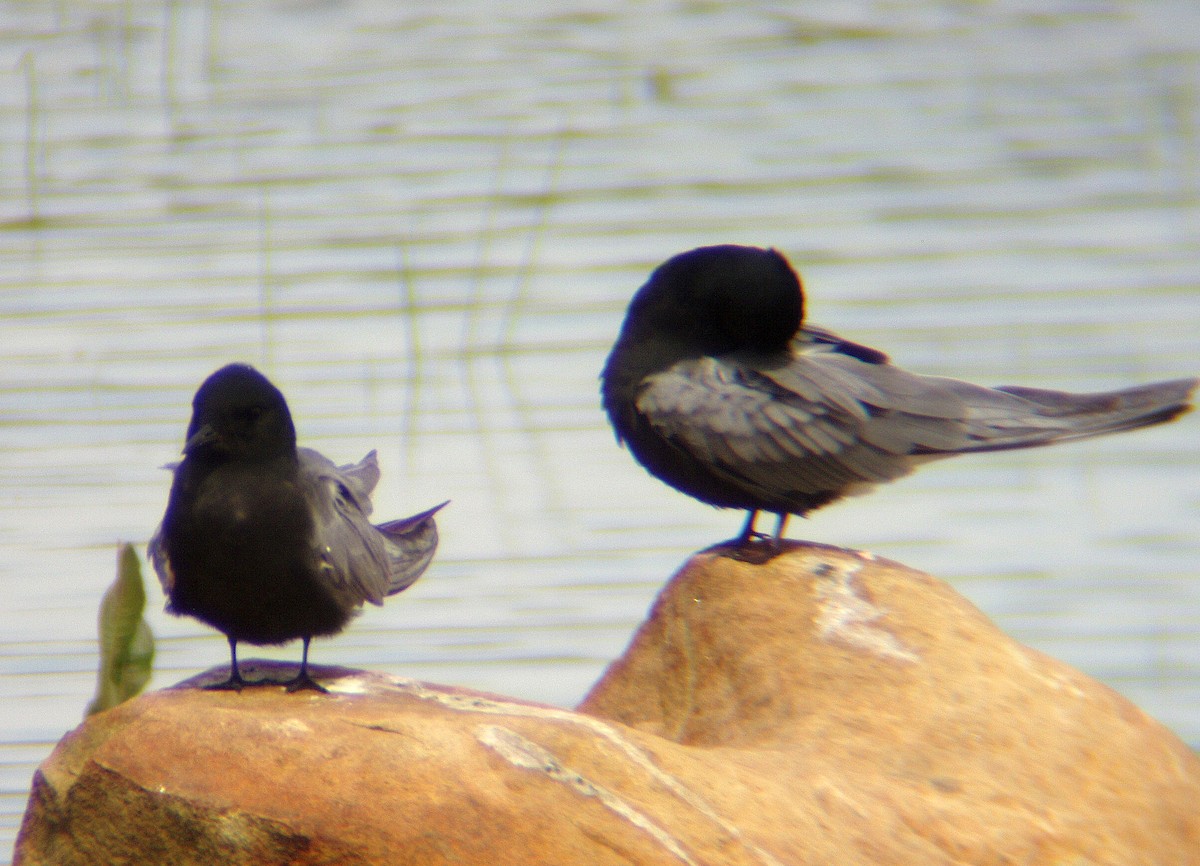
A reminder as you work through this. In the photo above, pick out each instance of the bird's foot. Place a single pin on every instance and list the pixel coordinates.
(751, 539)
(755, 548)
(303, 682)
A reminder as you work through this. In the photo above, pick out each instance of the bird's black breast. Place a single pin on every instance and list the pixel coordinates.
(240, 545)
(676, 465)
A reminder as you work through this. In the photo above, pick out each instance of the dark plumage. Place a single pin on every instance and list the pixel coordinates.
(267, 542)
(719, 389)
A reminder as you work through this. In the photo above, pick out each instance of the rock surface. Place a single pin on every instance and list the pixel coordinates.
(820, 707)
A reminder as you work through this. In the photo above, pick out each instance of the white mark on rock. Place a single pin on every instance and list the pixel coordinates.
(478, 704)
(528, 755)
(1054, 679)
(288, 727)
(847, 617)
(349, 685)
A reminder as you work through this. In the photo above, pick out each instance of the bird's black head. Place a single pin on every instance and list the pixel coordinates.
(237, 414)
(721, 299)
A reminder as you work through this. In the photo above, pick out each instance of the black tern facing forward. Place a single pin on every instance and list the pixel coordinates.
(719, 389)
(268, 542)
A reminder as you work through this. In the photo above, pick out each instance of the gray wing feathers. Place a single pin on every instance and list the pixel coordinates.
(156, 550)
(161, 562)
(362, 562)
(411, 543)
(360, 477)
(762, 434)
(821, 419)
(1055, 416)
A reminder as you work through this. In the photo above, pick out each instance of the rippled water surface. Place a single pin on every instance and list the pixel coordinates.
(424, 220)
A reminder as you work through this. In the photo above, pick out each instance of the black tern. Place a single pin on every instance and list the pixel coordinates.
(268, 542)
(719, 388)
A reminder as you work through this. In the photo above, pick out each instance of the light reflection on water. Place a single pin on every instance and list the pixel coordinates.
(425, 225)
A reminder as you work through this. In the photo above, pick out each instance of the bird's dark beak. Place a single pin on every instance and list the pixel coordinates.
(204, 436)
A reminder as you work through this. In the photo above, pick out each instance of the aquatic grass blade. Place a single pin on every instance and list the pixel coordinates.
(126, 642)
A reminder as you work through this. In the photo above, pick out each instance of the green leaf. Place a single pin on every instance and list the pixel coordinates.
(126, 643)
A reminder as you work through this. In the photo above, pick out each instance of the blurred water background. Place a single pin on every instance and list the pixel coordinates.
(424, 219)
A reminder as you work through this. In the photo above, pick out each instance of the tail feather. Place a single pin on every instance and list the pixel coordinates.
(411, 543)
(1060, 416)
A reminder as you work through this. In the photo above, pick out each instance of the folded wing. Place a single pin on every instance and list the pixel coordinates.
(362, 562)
(826, 419)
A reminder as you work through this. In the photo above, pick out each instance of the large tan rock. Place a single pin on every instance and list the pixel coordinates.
(821, 707)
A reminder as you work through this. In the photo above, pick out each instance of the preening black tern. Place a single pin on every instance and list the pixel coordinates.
(719, 388)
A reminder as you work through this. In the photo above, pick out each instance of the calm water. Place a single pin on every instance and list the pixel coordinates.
(424, 222)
